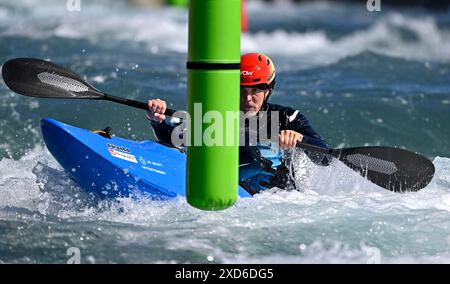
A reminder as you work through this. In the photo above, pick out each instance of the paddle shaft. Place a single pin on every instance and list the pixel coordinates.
(133, 103)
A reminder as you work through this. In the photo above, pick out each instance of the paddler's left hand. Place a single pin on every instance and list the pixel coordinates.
(289, 138)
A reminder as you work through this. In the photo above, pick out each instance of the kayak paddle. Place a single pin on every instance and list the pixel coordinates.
(43, 79)
(394, 169)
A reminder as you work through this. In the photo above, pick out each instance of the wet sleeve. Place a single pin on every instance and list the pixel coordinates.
(163, 131)
(298, 122)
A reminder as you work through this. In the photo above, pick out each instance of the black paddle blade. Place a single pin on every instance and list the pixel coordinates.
(392, 168)
(39, 78)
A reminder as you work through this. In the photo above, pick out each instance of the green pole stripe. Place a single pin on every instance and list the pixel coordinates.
(212, 66)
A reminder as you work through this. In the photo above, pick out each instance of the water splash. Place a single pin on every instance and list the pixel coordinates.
(339, 217)
(405, 35)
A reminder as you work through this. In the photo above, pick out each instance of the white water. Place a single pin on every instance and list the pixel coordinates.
(383, 34)
(340, 217)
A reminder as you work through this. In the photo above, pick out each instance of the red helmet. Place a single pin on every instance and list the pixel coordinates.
(257, 69)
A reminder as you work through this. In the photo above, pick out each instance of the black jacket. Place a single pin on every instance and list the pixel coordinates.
(291, 119)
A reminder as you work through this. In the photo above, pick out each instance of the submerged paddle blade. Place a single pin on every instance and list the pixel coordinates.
(39, 78)
(392, 168)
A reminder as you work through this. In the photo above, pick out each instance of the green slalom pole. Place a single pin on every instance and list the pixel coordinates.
(213, 81)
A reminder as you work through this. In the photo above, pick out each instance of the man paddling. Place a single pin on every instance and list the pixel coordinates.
(257, 85)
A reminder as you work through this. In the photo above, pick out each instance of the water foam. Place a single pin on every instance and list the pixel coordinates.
(337, 218)
(27, 182)
(393, 34)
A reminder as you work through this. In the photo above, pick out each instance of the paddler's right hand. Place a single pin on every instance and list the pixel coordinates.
(156, 109)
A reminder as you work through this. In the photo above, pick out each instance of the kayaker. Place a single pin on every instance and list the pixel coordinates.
(257, 86)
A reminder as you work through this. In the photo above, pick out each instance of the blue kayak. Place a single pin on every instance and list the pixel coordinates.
(113, 166)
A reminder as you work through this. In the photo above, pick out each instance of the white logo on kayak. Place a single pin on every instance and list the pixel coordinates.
(120, 148)
(153, 170)
(148, 162)
(123, 156)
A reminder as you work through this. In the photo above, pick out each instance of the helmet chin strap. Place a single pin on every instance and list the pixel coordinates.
(271, 87)
(267, 98)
